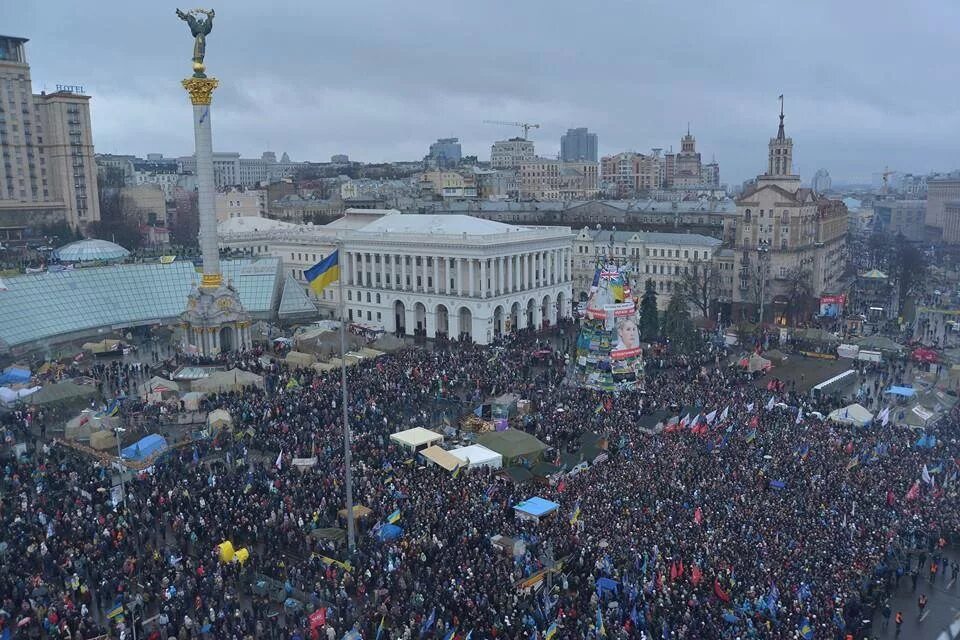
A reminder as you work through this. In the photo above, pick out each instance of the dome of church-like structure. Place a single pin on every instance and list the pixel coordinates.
(91, 251)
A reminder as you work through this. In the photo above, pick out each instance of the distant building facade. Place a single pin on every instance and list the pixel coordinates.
(578, 145)
(548, 179)
(240, 203)
(900, 217)
(630, 173)
(509, 154)
(660, 257)
(786, 240)
(940, 191)
(445, 153)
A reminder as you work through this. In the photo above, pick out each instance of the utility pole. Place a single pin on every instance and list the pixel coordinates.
(762, 257)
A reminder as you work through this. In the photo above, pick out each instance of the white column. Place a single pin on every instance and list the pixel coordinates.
(403, 273)
(501, 263)
(393, 270)
(436, 274)
(460, 277)
(470, 276)
(383, 271)
(509, 275)
(206, 198)
(529, 271)
(484, 289)
(523, 273)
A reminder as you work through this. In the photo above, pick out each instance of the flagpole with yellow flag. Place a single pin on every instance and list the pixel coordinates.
(319, 276)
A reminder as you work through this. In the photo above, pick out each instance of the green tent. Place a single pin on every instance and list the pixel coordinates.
(512, 444)
(61, 393)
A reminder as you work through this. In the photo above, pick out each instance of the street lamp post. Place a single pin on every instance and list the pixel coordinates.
(762, 257)
(123, 497)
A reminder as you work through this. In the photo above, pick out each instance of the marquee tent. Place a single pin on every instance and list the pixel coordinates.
(852, 414)
(417, 438)
(906, 392)
(60, 393)
(535, 508)
(219, 419)
(232, 380)
(441, 457)
(10, 396)
(512, 444)
(477, 455)
(15, 375)
(158, 389)
(144, 448)
(299, 359)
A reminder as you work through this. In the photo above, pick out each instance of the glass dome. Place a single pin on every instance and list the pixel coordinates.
(91, 251)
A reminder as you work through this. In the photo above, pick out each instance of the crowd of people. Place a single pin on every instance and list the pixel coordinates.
(745, 516)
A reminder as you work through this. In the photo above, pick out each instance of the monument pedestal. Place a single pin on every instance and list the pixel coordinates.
(215, 321)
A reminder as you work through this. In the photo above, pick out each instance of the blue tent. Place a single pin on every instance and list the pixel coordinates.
(145, 447)
(389, 532)
(906, 392)
(536, 507)
(15, 375)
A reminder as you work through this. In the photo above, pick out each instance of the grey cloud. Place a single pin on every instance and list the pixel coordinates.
(867, 83)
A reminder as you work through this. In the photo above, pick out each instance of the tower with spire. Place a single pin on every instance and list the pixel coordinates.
(780, 160)
(781, 151)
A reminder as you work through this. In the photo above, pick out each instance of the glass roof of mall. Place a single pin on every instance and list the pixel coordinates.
(47, 305)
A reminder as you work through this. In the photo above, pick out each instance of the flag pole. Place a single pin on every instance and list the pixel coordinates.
(351, 524)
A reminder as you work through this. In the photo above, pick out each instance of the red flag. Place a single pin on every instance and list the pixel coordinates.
(890, 498)
(849, 447)
(696, 575)
(561, 486)
(718, 590)
(914, 492)
(698, 515)
(754, 421)
(674, 571)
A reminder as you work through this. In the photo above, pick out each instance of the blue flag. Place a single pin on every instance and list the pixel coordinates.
(806, 630)
(428, 623)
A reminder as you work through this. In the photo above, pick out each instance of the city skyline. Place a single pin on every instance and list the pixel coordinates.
(379, 85)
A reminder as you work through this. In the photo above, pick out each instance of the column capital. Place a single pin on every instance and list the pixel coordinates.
(200, 89)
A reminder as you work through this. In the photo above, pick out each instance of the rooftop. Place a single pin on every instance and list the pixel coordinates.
(65, 303)
(91, 251)
(432, 224)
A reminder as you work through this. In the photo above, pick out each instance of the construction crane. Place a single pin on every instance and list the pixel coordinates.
(886, 174)
(526, 126)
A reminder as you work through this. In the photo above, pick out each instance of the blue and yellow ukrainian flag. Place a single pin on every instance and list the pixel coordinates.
(116, 612)
(394, 517)
(324, 272)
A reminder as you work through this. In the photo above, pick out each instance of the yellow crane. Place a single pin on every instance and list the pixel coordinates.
(526, 126)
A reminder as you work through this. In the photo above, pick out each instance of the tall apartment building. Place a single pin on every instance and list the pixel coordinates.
(508, 154)
(631, 173)
(48, 172)
(548, 179)
(578, 145)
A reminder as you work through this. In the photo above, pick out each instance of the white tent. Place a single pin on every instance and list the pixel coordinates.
(852, 414)
(232, 380)
(158, 389)
(477, 455)
(10, 396)
(416, 438)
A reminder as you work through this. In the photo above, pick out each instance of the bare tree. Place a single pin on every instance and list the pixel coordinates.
(799, 289)
(700, 284)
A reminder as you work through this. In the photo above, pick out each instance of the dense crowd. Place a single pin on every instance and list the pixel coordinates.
(750, 518)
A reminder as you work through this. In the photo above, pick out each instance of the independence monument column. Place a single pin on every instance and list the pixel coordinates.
(215, 320)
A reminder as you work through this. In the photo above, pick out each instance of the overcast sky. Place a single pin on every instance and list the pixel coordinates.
(867, 84)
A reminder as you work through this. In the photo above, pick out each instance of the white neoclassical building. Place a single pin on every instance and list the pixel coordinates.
(428, 274)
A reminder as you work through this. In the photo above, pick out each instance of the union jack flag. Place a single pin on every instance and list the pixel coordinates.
(606, 274)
